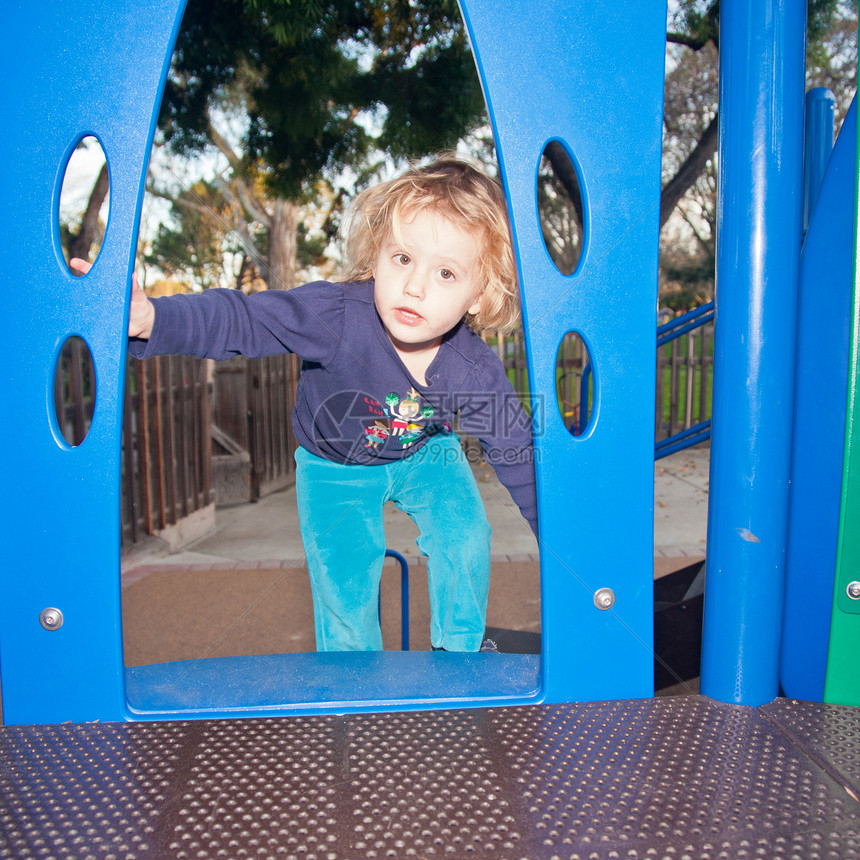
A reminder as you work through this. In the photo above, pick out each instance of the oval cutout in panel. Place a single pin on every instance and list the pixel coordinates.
(560, 207)
(74, 390)
(574, 383)
(84, 202)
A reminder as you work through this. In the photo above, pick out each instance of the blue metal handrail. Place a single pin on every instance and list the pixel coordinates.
(685, 439)
(665, 334)
(404, 598)
(686, 322)
(584, 410)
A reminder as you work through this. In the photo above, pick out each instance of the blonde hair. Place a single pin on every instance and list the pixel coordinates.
(466, 196)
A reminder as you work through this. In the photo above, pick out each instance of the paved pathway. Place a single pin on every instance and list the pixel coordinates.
(266, 533)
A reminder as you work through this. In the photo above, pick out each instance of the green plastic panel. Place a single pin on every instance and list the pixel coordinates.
(842, 683)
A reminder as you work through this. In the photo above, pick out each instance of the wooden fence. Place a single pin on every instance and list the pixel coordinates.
(685, 376)
(172, 403)
(166, 451)
(75, 390)
(253, 400)
(685, 369)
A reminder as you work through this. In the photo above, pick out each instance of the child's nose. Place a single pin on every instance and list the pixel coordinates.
(414, 286)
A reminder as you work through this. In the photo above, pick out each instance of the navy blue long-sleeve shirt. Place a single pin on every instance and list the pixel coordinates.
(356, 402)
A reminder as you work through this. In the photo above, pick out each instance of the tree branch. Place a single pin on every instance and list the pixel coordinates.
(253, 205)
(696, 43)
(202, 208)
(239, 196)
(250, 249)
(689, 171)
(686, 39)
(706, 246)
(223, 147)
(249, 200)
(563, 169)
(81, 244)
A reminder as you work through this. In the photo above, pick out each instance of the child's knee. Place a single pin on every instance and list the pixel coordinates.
(466, 538)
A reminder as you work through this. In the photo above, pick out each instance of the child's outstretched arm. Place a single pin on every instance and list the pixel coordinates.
(142, 313)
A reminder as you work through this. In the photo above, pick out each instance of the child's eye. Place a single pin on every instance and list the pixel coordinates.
(403, 259)
(446, 274)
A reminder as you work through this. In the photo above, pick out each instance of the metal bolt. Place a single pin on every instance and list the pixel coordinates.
(51, 618)
(853, 590)
(604, 598)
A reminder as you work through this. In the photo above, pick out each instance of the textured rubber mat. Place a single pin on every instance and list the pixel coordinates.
(830, 734)
(514, 641)
(658, 778)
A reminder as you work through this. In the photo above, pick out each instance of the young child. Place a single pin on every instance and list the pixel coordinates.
(389, 364)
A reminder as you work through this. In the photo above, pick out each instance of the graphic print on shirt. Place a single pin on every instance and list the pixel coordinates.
(407, 416)
(359, 427)
(377, 433)
(350, 425)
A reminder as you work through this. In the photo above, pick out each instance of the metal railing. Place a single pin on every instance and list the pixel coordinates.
(691, 434)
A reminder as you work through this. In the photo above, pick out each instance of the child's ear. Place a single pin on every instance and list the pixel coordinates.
(475, 307)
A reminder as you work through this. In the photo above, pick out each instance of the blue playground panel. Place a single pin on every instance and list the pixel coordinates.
(98, 68)
(62, 528)
(821, 397)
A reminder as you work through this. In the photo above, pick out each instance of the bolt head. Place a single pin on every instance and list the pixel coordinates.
(853, 590)
(604, 598)
(51, 618)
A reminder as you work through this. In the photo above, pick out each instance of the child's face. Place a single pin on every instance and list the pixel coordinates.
(426, 282)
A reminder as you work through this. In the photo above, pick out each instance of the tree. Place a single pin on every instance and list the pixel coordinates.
(197, 251)
(691, 123)
(318, 89)
(81, 230)
(560, 207)
(321, 87)
(691, 136)
(80, 243)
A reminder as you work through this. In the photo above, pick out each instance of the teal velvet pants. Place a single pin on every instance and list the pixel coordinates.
(340, 513)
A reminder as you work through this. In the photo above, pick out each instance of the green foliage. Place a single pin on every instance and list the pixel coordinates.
(832, 50)
(210, 47)
(322, 82)
(702, 21)
(192, 251)
(821, 15)
(310, 249)
(688, 279)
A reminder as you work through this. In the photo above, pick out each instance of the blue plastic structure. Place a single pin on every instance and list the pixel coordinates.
(71, 70)
(758, 253)
(551, 72)
(823, 348)
(817, 146)
(98, 68)
(596, 508)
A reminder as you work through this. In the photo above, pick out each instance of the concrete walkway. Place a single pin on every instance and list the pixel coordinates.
(266, 533)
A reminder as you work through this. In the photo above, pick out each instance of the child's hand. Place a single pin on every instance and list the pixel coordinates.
(142, 312)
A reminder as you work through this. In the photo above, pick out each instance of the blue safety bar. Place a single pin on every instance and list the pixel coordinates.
(666, 333)
(685, 439)
(404, 598)
(673, 329)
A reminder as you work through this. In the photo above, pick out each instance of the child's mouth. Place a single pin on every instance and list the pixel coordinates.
(407, 316)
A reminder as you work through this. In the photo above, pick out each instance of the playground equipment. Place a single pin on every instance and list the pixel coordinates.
(64, 520)
(63, 523)
(705, 776)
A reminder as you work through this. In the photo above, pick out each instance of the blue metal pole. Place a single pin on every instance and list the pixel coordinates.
(762, 47)
(818, 145)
